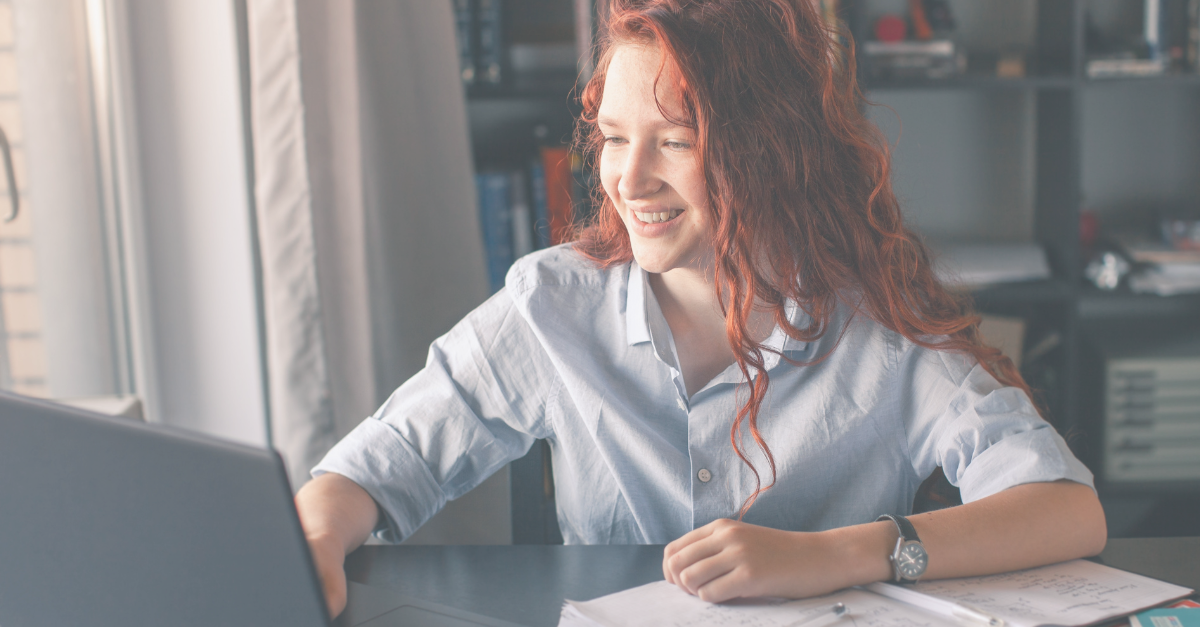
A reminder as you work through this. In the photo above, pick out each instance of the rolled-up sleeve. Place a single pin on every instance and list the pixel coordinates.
(478, 404)
(987, 437)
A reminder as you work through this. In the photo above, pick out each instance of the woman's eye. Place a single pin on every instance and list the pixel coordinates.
(678, 145)
(614, 140)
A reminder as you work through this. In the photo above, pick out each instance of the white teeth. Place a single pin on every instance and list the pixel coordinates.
(658, 216)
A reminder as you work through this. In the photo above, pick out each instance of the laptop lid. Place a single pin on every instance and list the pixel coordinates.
(107, 521)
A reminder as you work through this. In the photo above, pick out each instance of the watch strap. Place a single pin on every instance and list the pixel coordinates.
(907, 531)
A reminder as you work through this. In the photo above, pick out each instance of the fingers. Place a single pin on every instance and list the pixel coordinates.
(729, 585)
(709, 562)
(689, 560)
(335, 595)
(328, 559)
(683, 542)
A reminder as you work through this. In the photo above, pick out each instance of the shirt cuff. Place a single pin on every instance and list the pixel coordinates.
(375, 456)
(1038, 455)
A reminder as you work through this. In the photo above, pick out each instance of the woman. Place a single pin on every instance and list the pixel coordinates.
(745, 355)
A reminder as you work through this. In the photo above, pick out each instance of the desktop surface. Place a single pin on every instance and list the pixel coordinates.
(526, 584)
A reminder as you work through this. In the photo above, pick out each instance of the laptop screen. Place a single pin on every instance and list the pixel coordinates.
(106, 521)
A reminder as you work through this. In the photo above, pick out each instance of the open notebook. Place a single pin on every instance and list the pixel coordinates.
(1070, 594)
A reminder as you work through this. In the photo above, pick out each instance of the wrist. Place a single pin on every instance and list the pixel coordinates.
(865, 551)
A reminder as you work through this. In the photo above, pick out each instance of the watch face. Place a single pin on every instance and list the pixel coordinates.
(911, 560)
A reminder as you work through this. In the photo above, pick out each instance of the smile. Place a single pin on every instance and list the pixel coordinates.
(659, 216)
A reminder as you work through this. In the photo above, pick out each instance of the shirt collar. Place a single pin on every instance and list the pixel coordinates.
(637, 327)
(780, 342)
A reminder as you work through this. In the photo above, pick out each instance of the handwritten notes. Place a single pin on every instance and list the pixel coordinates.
(1072, 593)
(661, 604)
(1068, 594)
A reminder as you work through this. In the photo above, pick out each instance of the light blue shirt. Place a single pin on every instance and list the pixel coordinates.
(583, 357)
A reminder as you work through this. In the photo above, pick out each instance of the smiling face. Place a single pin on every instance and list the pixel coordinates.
(649, 167)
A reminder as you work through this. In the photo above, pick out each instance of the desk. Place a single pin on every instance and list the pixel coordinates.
(527, 584)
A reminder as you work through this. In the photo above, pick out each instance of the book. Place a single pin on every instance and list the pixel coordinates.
(1069, 594)
(1167, 617)
(491, 53)
(495, 218)
(913, 59)
(939, 47)
(1119, 67)
(522, 216)
(1174, 34)
(556, 168)
(1169, 267)
(1144, 53)
(582, 179)
(1166, 281)
(464, 32)
(1152, 28)
(1184, 604)
(537, 194)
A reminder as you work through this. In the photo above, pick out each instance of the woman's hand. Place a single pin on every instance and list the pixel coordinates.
(337, 516)
(329, 559)
(726, 559)
(1022, 527)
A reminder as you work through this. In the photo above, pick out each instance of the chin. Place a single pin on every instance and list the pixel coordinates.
(656, 262)
(650, 263)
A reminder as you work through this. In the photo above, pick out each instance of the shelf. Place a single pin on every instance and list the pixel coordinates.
(972, 82)
(556, 86)
(1162, 79)
(1026, 292)
(1097, 304)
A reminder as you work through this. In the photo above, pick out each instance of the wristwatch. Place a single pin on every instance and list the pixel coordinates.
(908, 558)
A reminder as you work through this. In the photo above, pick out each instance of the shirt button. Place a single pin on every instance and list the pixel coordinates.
(704, 475)
(679, 401)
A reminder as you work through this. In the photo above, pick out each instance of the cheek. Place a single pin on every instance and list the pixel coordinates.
(609, 177)
(694, 191)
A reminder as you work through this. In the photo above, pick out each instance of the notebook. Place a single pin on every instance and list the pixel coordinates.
(108, 521)
(1070, 594)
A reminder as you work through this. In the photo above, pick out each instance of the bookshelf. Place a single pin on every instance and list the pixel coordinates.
(981, 157)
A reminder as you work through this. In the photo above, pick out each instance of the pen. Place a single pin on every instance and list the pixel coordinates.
(832, 615)
(934, 604)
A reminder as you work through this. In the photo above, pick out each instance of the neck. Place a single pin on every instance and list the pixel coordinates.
(688, 301)
(687, 292)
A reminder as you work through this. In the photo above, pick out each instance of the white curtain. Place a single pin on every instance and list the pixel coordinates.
(367, 218)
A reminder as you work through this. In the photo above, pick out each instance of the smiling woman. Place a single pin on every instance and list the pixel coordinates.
(745, 355)
(648, 167)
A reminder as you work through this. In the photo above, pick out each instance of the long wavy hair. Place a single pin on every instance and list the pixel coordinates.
(798, 184)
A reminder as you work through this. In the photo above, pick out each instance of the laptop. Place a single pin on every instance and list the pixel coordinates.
(108, 521)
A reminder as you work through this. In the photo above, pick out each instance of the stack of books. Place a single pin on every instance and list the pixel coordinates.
(1169, 40)
(522, 210)
(1171, 265)
(913, 60)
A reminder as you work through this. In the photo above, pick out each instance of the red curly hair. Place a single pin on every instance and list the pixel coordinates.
(798, 183)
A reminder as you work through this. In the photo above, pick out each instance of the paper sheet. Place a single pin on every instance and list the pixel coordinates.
(661, 604)
(1071, 593)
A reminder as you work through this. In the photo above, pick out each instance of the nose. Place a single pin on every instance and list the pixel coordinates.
(638, 176)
